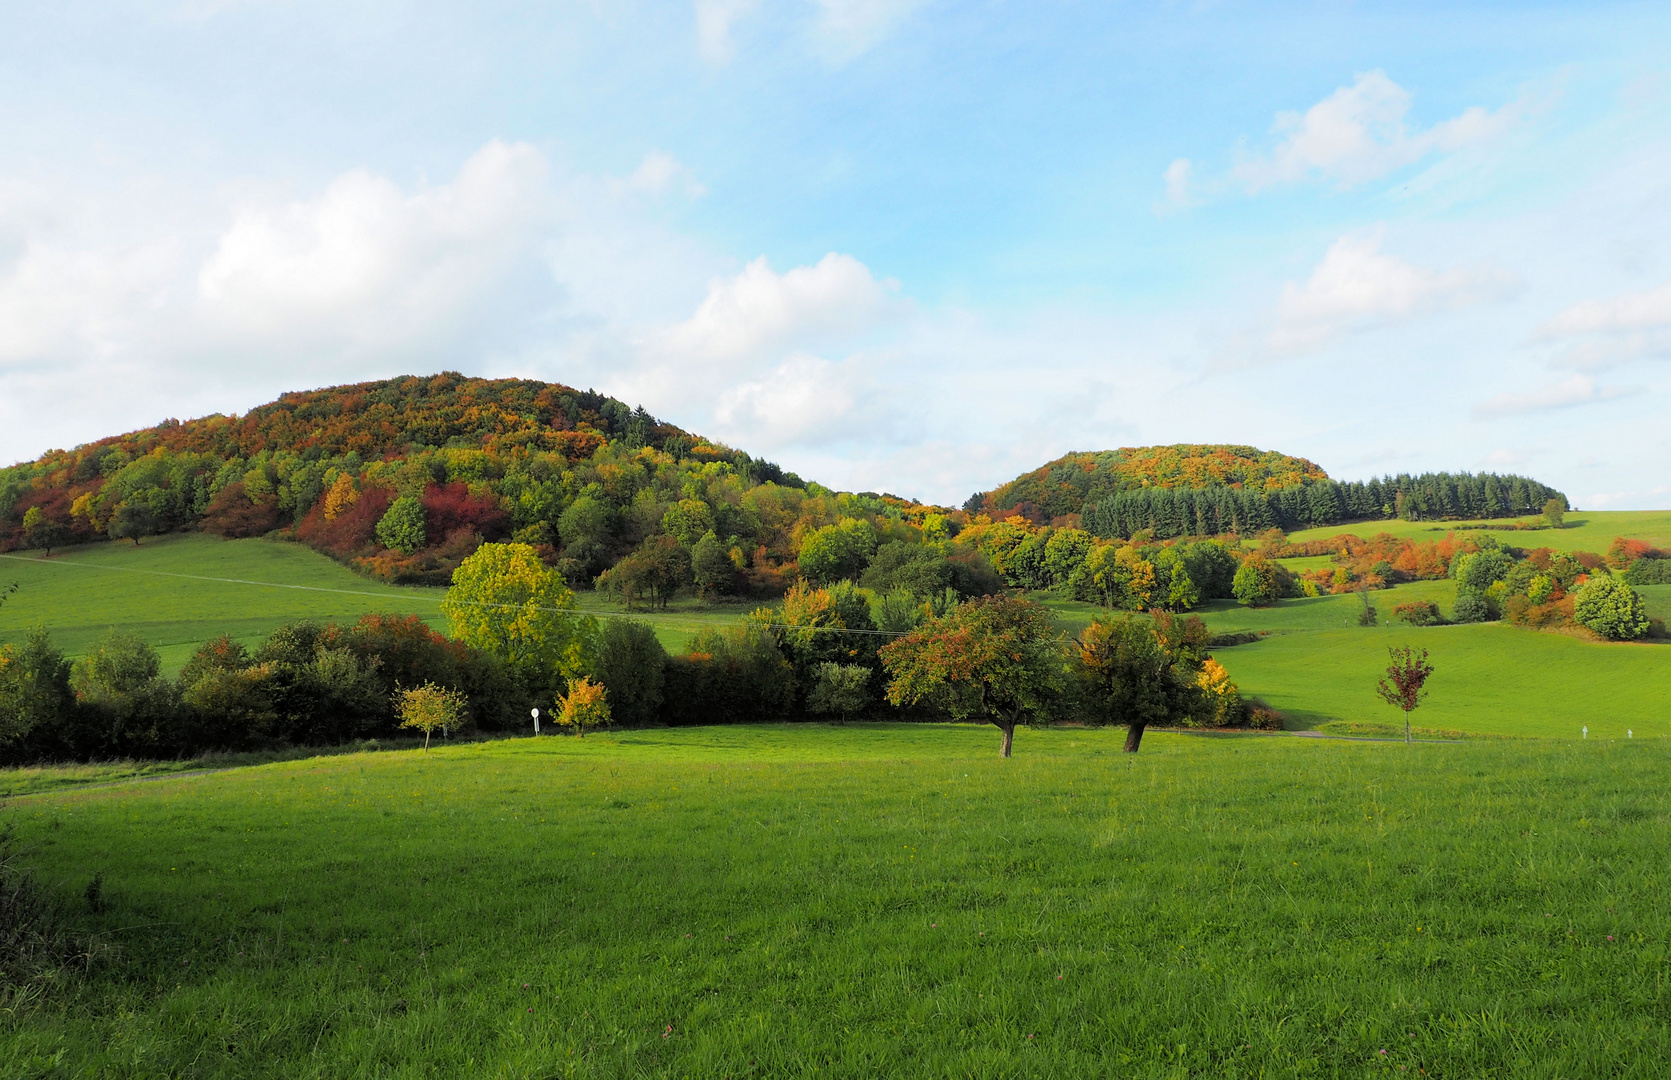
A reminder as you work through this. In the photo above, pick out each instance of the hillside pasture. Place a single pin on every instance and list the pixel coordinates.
(1590, 530)
(874, 900)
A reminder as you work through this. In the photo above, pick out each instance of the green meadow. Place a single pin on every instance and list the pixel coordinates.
(874, 900)
(1591, 530)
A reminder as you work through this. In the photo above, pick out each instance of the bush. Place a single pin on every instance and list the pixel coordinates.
(839, 689)
(1611, 608)
(1471, 608)
(1649, 571)
(1261, 717)
(402, 528)
(1256, 583)
(632, 664)
(733, 675)
(127, 709)
(1419, 613)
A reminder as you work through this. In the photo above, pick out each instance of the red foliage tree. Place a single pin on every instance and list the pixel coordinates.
(1405, 682)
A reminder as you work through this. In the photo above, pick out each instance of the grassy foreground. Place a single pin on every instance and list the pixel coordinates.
(871, 901)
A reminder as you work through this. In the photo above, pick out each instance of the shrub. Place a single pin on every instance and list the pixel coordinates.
(839, 689)
(1419, 613)
(1649, 571)
(1261, 717)
(1256, 583)
(731, 675)
(632, 664)
(586, 705)
(430, 708)
(126, 707)
(233, 514)
(1611, 608)
(1471, 608)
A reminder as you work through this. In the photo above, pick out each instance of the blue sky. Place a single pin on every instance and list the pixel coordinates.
(894, 244)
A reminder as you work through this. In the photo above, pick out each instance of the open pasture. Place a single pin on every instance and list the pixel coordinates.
(1584, 530)
(879, 900)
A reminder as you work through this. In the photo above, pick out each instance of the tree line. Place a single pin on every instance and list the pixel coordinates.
(1213, 511)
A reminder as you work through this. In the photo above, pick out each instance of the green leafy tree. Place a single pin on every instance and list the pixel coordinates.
(132, 520)
(34, 688)
(1405, 682)
(505, 601)
(841, 690)
(1138, 672)
(658, 569)
(430, 708)
(1611, 608)
(402, 526)
(837, 552)
(687, 521)
(994, 658)
(1555, 512)
(1256, 583)
(632, 664)
(712, 568)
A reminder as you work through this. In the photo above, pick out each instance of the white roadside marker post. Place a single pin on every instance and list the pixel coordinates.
(536, 721)
(1586, 731)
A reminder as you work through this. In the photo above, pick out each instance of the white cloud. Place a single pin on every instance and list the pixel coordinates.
(713, 27)
(1180, 193)
(1356, 287)
(1575, 390)
(803, 401)
(1631, 311)
(849, 27)
(759, 310)
(659, 171)
(1360, 133)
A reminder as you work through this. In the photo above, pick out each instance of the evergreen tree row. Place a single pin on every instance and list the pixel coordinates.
(1170, 512)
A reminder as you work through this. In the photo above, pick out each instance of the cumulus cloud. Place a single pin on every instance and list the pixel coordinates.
(1357, 287)
(804, 401)
(367, 261)
(849, 27)
(760, 310)
(1575, 390)
(1361, 133)
(713, 27)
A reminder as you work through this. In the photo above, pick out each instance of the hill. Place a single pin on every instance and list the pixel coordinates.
(580, 475)
(1211, 490)
(1064, 486)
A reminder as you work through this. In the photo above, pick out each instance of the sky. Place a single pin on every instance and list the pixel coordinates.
(894, 245)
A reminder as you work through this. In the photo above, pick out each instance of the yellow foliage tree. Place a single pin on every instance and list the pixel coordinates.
(430, 708)
(506, 601)
(341, 496)
(585, 706)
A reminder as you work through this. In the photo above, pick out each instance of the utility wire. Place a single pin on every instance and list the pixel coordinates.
(418, 596)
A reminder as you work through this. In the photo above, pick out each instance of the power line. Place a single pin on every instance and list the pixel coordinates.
(419, 597)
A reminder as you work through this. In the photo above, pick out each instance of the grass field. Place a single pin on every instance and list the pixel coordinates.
(81, 593)
(1592, 530)
(870, 901)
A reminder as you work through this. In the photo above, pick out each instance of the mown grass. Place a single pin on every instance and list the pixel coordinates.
(1589, 530)
(871, 901)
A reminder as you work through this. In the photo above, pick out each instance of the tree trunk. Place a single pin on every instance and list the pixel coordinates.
(426, 740)
(1009, 737)
(1134, 737)
(1407, 738)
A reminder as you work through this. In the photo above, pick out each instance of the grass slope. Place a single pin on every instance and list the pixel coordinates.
(871, 901)
(81, 593)
(1591, 530)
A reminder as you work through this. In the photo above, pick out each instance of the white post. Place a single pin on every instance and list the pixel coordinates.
(1586, 731)
(536, 721)
(1629, 734)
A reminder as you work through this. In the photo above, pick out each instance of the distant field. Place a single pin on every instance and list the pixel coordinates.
(81, 593)
(1591, 530)
(869, 901)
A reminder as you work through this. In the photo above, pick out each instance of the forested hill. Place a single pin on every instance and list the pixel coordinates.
(1064, 486)
(1208, 490)
(465, 458)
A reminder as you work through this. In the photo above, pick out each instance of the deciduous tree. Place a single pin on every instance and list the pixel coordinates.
(1405, 682)
(994, 658)
(586, 705)
(507, 602)
(430, 708)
